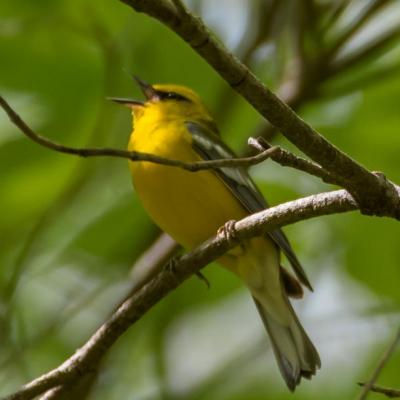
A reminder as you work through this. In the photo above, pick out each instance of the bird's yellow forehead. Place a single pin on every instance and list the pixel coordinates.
(182, 90)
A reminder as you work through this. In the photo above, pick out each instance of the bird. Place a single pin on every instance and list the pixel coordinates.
(174, 123)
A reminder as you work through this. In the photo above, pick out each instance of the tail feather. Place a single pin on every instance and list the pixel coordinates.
(270, 284)
(295, 354)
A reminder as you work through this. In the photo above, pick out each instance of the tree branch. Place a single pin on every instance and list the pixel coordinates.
(385, 358)
(374, 193)
(388, 392)
(132, 155)
(287, 159)
(88, 356)
(80, 390)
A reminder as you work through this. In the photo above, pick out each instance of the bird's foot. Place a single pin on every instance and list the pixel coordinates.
(228, 231)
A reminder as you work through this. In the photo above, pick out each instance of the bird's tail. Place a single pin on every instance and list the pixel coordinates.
(296, 355)
(258, 265)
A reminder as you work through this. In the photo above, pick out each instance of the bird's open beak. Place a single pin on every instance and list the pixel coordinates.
(148, 90)
(126, 102)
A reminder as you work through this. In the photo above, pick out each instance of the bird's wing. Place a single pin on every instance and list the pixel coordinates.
(210, 147)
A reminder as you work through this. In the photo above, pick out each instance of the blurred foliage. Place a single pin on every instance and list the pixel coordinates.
(71, 229)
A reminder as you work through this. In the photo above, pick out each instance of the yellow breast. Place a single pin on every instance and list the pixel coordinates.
(189, 206)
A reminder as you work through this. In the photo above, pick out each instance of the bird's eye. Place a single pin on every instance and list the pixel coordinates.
(171, 96)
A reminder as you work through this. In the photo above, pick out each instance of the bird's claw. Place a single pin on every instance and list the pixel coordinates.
(203, 278)
(228, 231)
(171, 265)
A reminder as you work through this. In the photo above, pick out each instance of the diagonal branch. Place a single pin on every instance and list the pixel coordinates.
(374, 193)
(287, 159)
(383, 361)
(89, 355)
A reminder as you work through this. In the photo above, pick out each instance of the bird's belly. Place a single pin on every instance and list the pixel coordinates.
(189, 206)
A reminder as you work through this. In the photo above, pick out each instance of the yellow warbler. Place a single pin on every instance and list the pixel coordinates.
(190, 206)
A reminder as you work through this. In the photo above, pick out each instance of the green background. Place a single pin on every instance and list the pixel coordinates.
(71, 229)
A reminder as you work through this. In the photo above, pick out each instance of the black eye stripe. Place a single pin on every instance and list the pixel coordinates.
(171, 96)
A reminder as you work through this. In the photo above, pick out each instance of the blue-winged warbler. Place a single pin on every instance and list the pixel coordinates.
(190, 206)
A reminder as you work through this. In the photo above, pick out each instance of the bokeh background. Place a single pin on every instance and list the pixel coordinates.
(71, 229)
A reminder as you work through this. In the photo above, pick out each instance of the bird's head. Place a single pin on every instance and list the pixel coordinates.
(166, 102)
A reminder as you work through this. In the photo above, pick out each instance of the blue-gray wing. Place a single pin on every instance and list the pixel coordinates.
(210, 147)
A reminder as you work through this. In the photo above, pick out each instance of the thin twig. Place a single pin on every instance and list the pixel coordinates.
(388, 392)
(132, 155)
(287, 159)
(385, 358)
(79, 390)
